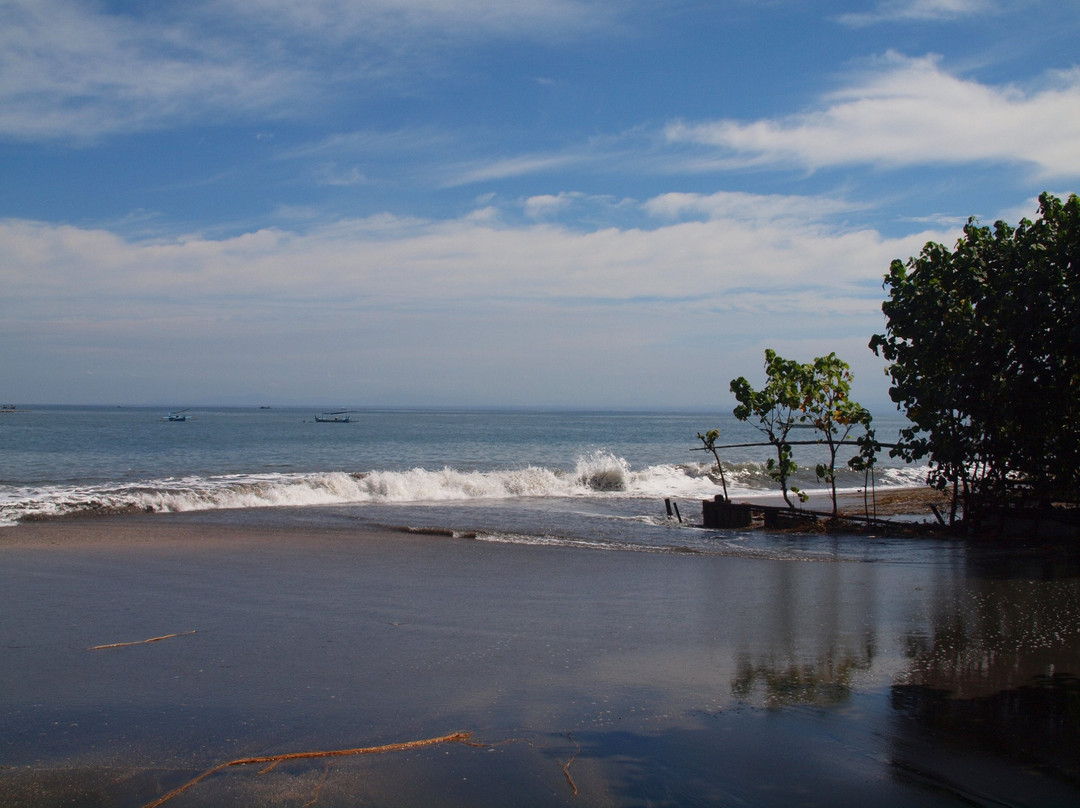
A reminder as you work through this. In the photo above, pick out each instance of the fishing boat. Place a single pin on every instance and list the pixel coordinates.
(338, 417)
(177, 415)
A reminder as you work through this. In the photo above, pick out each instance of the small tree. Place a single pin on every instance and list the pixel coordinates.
(865, 461)
(709, 440)
(775, 410)
(827, 404)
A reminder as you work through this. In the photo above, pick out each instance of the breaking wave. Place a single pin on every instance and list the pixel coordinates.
(598, 474)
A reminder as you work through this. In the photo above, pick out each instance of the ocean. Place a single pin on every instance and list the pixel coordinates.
(527, 476)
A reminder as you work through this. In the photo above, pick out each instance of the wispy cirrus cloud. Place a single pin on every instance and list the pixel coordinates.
(344, 176)
(67, 70)
(917, 10)
(377, 19)
(487, 170)
(73, 70)
(748, 208)
(909, 111)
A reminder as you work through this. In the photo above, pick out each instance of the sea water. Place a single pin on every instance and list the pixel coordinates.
(537, 476)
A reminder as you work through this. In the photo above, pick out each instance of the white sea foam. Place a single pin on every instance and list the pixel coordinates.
(598, 474)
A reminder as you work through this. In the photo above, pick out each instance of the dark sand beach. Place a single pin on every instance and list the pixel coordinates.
(584, 677)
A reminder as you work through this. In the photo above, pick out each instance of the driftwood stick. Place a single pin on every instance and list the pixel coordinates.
(318, 788)
(566, 766)
(456, 737)
(139, 642)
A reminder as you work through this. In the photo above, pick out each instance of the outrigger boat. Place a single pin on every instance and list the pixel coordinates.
(339, 417)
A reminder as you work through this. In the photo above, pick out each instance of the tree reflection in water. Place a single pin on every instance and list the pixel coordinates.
(996, 673)
(779, 684)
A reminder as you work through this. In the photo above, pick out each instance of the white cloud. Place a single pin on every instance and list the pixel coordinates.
(469, 309)
(333, 174)
(911, 112)
(389, 261)
(543, 205)
(487, 170)
(746, 207)
(927, 10)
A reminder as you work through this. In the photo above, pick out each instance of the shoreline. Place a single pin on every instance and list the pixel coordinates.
(909, 501)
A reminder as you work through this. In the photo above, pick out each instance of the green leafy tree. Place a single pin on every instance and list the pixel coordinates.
(984, 346)
(827, 404)
(775, 410)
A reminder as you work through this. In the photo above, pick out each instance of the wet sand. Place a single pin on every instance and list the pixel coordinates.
(913, 502)
(585, 677)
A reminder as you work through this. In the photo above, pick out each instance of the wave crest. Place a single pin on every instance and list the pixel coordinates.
(599, 473)
(603, 471)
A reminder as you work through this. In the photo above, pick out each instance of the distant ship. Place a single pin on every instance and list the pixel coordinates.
(339, 417)
(178, 415)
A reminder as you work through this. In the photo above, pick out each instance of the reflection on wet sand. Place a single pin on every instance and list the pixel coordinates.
(984, 650)
(820, 634)
(775, 683)
(996, 672)
(997, 635)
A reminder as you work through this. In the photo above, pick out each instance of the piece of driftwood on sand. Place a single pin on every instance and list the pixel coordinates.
(273, 760)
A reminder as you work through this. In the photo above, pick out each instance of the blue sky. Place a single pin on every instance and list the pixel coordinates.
(568, 203)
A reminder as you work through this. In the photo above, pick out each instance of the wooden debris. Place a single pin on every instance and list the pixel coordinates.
(273, 760)
(140, 642)
(566, 766)
(318, 788)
